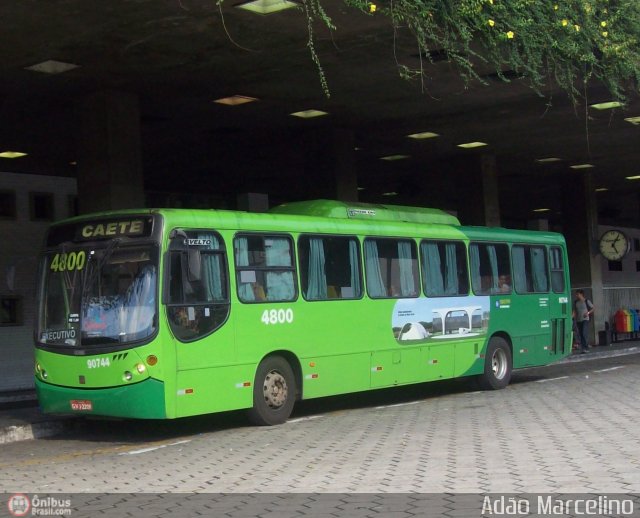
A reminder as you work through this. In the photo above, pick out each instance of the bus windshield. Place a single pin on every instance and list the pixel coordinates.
(98, 296)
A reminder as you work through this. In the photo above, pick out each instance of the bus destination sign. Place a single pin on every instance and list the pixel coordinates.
(110, 229)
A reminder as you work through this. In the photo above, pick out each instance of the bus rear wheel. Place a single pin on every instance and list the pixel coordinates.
(274, 392)
(497, 365)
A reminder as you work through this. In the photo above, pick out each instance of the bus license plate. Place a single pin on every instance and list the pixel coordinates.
(81, 404)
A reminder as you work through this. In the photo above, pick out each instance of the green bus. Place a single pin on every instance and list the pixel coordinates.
(169, 313)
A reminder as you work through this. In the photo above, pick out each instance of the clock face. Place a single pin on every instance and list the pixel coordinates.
(614, 245)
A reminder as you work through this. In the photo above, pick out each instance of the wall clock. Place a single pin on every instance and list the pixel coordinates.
(614, 245)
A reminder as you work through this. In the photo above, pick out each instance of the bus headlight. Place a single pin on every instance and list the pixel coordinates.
(44, 374)
(38, 368)
(128, 376)
(140, 368)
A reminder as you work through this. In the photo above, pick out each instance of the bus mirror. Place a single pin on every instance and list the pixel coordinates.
(193, 271)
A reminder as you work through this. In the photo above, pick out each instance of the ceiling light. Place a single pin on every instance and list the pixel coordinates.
(235, 100)
(541, 210)
(361, 188)
(601, 189)
(309, 114)
(636, 177)
(470, 145)
(391, 158)
(633, 120)
(52, 67)
(12, 154)
(607, 106)
(267, 6)
(548, 160)
(582, 166)
(423, 135)
(392, 193)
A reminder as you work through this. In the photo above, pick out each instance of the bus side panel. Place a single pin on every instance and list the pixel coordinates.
(332, 340)
(525, 319)
(396, 367)
(234, 389)
(322, 374)
(469, 359)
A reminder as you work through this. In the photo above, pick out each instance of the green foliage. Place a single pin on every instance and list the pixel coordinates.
(562, 42)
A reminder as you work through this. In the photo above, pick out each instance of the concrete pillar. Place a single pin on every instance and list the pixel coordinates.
(580, 214)
(478, 199)
(538, 224)
(109, 153)
(345, 173)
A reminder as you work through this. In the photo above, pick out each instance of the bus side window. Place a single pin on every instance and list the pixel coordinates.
(265, 269)
(329, 267)
(557, 269)
(444, 268)
(391, 267)
(490, 265)
(530, 269)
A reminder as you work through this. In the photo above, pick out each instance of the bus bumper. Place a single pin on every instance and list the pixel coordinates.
(143, 400)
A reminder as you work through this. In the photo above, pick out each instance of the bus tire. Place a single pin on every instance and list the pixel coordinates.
(497, 365)
(274, 392)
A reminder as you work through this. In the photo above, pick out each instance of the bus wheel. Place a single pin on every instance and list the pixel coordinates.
(497, 365)
(274, 392)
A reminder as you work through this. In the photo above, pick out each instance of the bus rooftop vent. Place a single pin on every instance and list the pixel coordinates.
(366, 211)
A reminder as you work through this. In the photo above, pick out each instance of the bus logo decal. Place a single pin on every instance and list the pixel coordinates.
(197, 242)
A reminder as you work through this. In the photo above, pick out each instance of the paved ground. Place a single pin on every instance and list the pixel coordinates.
(568, 428)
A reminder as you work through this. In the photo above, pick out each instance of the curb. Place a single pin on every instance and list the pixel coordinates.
(29, 431)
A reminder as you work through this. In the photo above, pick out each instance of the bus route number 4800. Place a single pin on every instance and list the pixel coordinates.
(277, 316)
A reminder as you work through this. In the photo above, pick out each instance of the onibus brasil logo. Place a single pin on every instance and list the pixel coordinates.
(20, 504)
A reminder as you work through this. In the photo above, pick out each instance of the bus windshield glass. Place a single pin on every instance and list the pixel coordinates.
(98, 296)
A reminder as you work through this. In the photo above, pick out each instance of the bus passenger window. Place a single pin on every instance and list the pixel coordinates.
(444, 267)
(264, 268)
(530, 269)
(329, 267)
(488, 262)
(557, 269)
(391, 267)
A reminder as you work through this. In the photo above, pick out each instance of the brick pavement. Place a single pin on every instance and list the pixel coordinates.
(571, 428)
(428, 451)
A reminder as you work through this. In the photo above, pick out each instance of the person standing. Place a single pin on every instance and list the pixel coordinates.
(582, 309)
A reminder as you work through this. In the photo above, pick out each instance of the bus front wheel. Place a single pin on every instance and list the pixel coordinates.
(497, 365)
(274, 392)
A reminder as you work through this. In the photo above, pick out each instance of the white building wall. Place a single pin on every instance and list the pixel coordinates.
(21, 240)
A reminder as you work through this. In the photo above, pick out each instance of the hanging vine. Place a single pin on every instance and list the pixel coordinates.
(563, 42)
